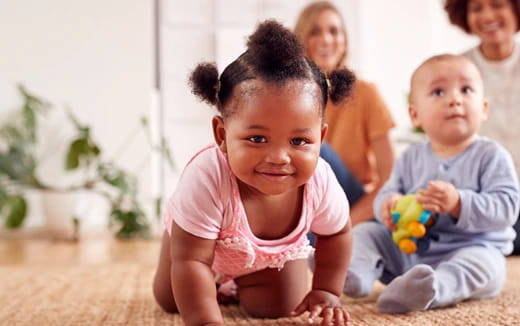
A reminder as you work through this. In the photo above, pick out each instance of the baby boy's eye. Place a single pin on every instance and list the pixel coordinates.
(257, 139)
(298, 142)
(438, 92)
(467, 90)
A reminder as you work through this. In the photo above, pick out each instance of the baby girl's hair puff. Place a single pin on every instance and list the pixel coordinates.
(341, 84)
(277, 52)
(204, 82)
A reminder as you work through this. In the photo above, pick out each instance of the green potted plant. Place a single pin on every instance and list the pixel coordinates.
(19, 162)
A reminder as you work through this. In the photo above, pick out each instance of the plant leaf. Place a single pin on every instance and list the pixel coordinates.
(16, 211)
(76, 148)
(132, 223)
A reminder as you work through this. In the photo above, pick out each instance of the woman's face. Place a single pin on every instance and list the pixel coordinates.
(493, 21)
(326, 43)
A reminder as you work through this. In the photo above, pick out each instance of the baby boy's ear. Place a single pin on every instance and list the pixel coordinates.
(413, 116)
(219, 132)
(485, 109)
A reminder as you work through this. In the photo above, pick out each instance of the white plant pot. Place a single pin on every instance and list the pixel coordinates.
(58, 209)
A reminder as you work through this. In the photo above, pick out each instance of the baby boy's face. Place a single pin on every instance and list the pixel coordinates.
(447, 100)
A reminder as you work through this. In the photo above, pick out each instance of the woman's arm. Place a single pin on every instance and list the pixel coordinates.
(193, 282)
(383, 149)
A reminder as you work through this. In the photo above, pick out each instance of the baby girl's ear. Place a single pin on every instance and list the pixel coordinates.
(219, 132)
(324, 129)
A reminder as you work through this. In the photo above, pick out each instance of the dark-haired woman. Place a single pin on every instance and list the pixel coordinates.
(495, 23)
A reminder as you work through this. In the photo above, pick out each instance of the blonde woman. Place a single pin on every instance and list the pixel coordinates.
(358, 145)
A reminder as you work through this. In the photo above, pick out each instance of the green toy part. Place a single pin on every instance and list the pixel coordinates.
(410, 220)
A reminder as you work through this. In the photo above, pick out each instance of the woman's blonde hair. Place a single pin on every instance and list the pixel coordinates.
(308, 17)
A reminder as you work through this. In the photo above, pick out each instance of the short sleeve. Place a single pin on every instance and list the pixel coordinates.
(196, 205)
(377, 115)
(331, 209)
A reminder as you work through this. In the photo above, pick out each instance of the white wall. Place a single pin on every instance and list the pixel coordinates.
(92, 55)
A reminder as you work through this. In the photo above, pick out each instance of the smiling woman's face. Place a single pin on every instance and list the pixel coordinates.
(326, 43)
(493, 21)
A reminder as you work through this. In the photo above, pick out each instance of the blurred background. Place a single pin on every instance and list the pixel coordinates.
(113, 61)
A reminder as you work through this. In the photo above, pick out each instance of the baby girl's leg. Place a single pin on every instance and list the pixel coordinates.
(162, 286)
(270, 293)
(374, 256)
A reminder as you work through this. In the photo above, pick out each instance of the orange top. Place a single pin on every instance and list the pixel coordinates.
(354, 124)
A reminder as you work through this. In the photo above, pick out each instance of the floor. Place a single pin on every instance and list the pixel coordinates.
(35, 249)
(41, 277)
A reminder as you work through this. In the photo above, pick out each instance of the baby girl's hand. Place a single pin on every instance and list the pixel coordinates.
(440, 197)
(387, 206)
(323, 304)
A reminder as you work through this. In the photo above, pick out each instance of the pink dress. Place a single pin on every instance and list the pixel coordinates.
(207, 204)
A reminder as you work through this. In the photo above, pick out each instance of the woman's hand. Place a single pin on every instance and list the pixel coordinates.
(387, 206)
(323, 304)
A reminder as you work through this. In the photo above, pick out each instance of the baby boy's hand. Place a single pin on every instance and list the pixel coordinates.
(388, 205)
(323, 304)
(440, 197)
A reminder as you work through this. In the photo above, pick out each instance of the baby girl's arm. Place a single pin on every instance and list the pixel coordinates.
(331, 263)
(192, 279)
(331, 260)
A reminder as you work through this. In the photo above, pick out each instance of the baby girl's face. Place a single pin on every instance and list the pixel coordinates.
(273, 137)
(447, 101)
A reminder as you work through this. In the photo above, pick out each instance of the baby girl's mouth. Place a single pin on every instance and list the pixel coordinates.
(274, 172)
(275, 175)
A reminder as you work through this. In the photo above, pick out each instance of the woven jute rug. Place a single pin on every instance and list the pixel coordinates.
(120, 294)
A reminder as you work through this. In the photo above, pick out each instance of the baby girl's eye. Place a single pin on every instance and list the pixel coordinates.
(438, 92)
(298, 142)
(257, 139)
(467, 90)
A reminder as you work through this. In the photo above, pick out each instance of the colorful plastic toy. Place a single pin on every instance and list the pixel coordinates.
(411, 221)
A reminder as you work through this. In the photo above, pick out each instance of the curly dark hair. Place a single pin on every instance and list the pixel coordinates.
(275, 55)
(458, 13)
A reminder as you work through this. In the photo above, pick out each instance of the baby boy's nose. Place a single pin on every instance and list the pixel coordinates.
(455, 100)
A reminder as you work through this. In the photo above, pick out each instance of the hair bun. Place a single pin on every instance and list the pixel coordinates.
(341, 84)
(204, 82)
(274, 47)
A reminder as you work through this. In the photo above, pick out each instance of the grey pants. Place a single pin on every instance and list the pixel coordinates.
(462, 273)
